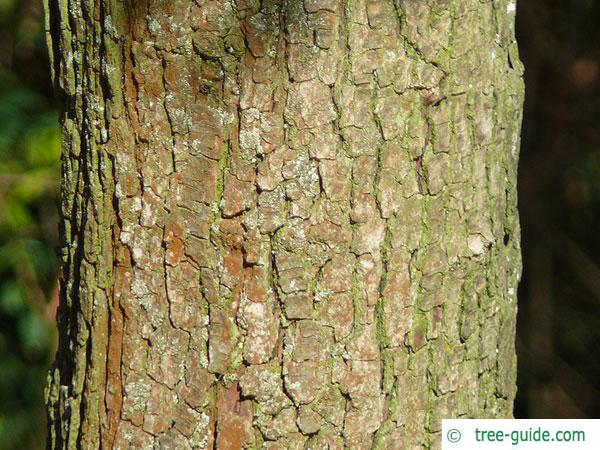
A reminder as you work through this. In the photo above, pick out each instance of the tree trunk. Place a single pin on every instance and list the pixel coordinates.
(286, 224)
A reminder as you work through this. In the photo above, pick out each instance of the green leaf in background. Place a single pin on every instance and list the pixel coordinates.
(42, 144)
(6, 6)
(33, 334)
(29, 186)
(12, 301)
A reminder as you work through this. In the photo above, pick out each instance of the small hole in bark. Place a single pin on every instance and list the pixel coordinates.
(506, 238)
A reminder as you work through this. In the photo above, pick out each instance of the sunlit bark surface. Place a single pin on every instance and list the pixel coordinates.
(287, 224)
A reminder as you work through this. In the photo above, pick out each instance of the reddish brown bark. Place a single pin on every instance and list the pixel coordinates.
(286, 224)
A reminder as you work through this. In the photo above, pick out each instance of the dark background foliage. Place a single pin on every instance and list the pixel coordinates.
(559, 191)
(29, 180)
(559, 325)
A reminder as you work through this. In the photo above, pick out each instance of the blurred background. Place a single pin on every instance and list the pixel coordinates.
(559, 324)
(29, 184)
(559, 199)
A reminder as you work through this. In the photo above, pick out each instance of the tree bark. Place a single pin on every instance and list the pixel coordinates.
(286, 224)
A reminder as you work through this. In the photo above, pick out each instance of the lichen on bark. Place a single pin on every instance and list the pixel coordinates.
(286, 223)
